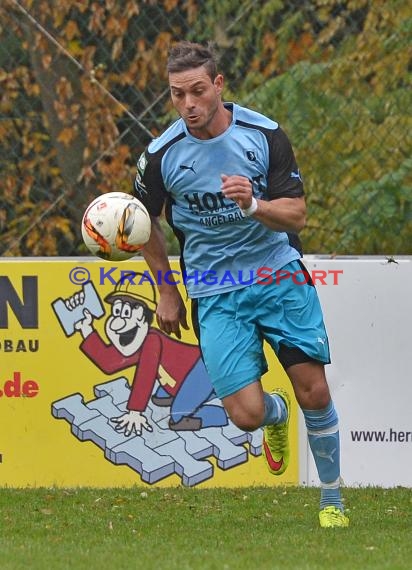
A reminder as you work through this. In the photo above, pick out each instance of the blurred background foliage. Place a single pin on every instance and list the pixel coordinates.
(83, 89)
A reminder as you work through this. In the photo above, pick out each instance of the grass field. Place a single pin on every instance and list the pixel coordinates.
(192, 529)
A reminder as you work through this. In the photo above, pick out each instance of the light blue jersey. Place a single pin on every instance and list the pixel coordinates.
(222, 250)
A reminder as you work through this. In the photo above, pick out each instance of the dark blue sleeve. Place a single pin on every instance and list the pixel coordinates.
(284, 178)
(148, 185)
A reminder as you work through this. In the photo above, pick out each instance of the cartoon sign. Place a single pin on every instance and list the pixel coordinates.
(140, 398)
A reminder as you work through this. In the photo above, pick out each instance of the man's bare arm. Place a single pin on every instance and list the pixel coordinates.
(171, 310)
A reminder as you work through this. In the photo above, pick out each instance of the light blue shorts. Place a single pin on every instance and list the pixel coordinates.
(233, 326)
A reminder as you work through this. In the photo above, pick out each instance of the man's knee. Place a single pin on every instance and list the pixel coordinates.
(246, 420)
(310, 385)
(246, 408)
(317, 395)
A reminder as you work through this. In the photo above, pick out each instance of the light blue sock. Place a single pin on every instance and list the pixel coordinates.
(323, 434)
(275, 409)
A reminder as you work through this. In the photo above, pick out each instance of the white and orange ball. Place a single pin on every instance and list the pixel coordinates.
(115, 226)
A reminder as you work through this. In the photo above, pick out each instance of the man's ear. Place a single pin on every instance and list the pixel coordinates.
(219, 83)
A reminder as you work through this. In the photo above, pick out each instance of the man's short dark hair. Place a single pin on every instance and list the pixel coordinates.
(188, 55)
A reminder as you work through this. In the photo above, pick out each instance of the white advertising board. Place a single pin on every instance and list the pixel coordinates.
(367, 306)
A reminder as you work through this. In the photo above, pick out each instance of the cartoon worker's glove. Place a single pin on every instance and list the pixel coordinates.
(85, 324)
(131, 422)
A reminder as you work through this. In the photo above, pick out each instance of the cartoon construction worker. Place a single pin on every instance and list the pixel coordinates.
(177, 366)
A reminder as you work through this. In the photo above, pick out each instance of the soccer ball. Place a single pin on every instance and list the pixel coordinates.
(115, 226)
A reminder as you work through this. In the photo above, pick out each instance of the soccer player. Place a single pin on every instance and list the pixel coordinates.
(233, 194)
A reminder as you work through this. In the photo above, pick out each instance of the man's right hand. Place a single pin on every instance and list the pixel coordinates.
(171, 312)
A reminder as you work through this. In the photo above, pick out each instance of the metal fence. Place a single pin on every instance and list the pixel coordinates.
(83, 89)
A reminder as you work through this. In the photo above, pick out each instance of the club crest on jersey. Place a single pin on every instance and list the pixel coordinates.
(251, 155)
(142, 163)
(139, 185)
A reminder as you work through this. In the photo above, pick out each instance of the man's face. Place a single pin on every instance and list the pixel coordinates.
(196, 97)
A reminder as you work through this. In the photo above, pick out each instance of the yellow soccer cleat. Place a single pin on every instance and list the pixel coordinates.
(276, 440)
(332, 517)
